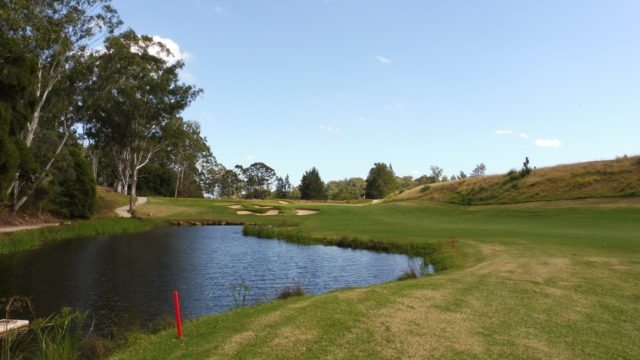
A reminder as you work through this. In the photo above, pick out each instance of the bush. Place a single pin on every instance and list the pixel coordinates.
(76, 195)
(291, 291)
(425, 189)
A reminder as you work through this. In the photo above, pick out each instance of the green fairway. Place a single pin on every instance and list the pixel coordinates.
(547, 280)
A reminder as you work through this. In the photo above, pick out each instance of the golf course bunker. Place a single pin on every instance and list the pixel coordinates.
(236, 206)
(283, 202)
(304, 212)
(268, 213)
(263, 207)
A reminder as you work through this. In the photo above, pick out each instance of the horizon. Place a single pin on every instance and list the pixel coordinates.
(340, 85)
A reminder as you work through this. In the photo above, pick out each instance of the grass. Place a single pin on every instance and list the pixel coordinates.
(25, 240)
(596, 179)
(537, 279)
(531, 281)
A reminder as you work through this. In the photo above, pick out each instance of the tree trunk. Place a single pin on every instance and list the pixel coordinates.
(133, 198)
(95, 158)
(18, 204)
(175, 195)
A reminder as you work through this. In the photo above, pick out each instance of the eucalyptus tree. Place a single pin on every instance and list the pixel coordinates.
(479, 170)
(188, 150)
(57, 34)
(17, 73)
(146, 96)
(257, 180)
(283, 187)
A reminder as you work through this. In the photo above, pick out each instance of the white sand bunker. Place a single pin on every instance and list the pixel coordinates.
(283, 202)
(303, 212)
(263, 207)
(268, 213)
(236, 206)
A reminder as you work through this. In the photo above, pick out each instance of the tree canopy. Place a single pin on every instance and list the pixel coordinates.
(381, 181)
(311, 186)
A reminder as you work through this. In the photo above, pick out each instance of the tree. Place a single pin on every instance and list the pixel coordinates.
(187, 150)
(479, 170)
(57, 34)
(135, 117)
(16, 77)
(347, 189)
(436, 173)
(381, 181)
(258, 178)
(76, 196)
(283, 188)
(311, 186)
(405, 182)
(229, 185)
(462, 175)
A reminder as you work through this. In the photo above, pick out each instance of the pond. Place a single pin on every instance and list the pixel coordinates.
(134, 275)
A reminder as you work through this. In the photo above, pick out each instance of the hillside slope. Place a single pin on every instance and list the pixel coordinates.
(610, 178)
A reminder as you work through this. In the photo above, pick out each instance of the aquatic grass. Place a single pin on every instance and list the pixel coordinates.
(294, 290)
(24, 240)
(435, 253)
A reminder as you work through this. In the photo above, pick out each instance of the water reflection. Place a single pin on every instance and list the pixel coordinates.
(120, 275)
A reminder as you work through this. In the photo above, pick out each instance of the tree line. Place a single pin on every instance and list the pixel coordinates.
(259, 181)
(83, 102)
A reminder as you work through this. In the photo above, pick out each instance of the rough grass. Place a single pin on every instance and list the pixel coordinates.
(533, 281)
(25, 240)
(596, 179)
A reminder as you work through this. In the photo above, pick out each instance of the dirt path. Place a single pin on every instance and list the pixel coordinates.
(124, 210)
(25, 227)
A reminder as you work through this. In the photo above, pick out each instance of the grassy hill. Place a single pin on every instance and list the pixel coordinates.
(596, 179)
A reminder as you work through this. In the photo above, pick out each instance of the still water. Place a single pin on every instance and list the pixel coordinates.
(134, 275)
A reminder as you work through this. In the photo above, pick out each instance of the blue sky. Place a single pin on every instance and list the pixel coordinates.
(341, 84)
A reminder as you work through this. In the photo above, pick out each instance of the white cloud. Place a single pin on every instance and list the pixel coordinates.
(504, 132)
(383, 59)
(330, 129)
(524, 135)
(548, 142)
(250, 157)
(207, 116)
(173, 47)
(397, 104)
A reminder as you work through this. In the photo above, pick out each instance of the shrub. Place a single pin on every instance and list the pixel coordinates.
(291, 291)
(76, 195)
(425, 189)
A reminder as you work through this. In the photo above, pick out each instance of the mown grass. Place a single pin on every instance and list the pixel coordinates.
(547, 280)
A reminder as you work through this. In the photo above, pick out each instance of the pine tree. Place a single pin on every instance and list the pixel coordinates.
(312, 187)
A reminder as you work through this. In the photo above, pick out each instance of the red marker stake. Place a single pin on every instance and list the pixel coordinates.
(176, 303)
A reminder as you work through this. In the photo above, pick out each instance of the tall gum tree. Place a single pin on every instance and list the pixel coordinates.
(56, 33)
(135, 116)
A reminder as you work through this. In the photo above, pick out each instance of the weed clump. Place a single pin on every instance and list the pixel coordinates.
(291, 291)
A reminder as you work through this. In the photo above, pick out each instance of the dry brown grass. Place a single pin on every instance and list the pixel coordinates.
(595, 179)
